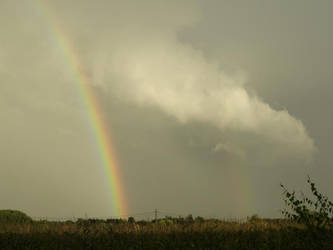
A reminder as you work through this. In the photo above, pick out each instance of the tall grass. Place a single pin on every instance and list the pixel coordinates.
(206, 234)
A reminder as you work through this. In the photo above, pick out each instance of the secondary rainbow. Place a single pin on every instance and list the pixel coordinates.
(94, 112)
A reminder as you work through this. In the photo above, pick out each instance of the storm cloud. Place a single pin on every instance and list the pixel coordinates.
(199, 97)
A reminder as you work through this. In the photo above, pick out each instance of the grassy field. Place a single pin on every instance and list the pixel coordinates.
(163, 234)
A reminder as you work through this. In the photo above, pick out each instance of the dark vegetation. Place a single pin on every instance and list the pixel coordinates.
(13, 216)
(316, 214)
(308, 224)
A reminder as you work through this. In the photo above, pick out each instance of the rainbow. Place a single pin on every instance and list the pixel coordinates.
(94, 113)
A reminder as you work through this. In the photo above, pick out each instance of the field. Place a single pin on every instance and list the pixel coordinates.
(169, 233)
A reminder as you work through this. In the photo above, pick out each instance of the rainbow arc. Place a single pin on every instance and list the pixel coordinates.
(94, 113)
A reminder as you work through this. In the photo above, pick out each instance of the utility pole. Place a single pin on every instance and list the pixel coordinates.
(155, 215)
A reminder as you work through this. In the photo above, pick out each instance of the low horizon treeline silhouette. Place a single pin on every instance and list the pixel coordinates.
(163, 233)
(308, 224)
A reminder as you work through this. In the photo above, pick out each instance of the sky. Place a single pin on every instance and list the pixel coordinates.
(210, 105)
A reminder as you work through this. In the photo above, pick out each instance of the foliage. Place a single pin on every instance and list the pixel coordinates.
(179, 232)
(14, 216)
(207, 234)
(189, 218)
(316, 214)
(199, 219)
(131, 220)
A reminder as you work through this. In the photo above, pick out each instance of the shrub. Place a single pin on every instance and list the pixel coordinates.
(14, 216)
(199, 219)
(253, 218)
(315, 214)
(189, 218)
(131, 220)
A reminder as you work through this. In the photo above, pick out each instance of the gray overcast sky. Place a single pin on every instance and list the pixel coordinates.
(211, 104)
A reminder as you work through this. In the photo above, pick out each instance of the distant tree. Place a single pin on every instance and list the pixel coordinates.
(315, 213)
(253, 218)
(14, 216)
(189, 218)
(131, 220)
(199, 219)
(115, 221)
